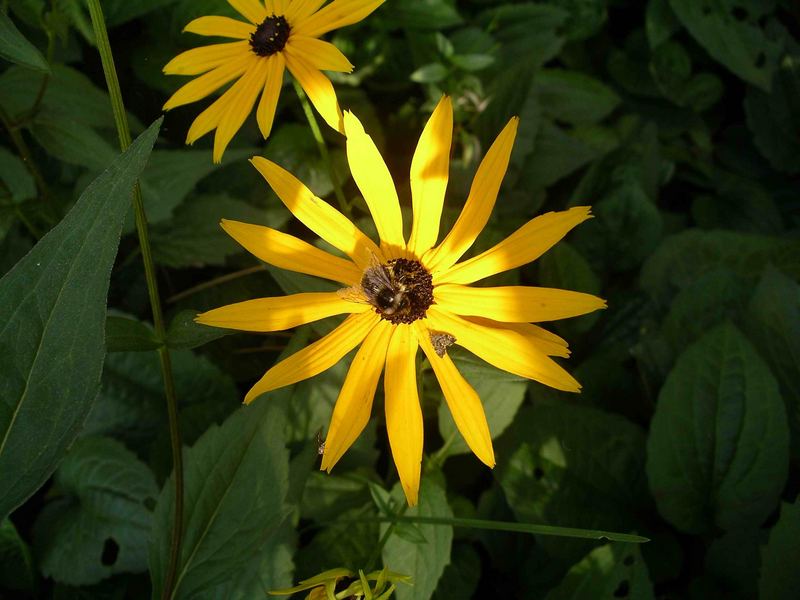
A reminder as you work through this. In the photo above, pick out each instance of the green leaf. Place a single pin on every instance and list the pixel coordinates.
(734, 560)
(424, 14)
(714, 297)
(586, 17)
(118, 12)
(16, 563)
(69, 95)
(741, 45)
(184, 332)
(569, 454)
(717, 454)
(472, 62)
(780, 562)
(126, 334)
(172, 174)
(660, 22)
(432, 73)
(774, 118)
(501, 395)
(424, 561)
(73, 142)
(15, 177)
(461, 576)
(773, 323)
(682, 258)
(16, 49)
(574, 97)
(236, 480)
(528, 31)
(193, 237)
(610, 571)
(99, 522)
(565, 268)
(53, 311)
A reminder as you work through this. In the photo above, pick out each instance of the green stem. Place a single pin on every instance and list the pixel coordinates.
(393, 521)
(123, 130)
(323, 150)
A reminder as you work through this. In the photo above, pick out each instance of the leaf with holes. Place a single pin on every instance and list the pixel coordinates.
(730, 34)
(52, 339)
(236, 481)
(610, 571)
(99, 520)
(571, 453)
(718, 451)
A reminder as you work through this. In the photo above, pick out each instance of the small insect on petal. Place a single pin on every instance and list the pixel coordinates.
(441, 342)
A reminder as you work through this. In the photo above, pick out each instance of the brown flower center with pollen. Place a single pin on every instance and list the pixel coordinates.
(401, 290)
(271, 36)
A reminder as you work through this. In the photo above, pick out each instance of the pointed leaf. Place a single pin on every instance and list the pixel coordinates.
(52, 338)
(15, 48)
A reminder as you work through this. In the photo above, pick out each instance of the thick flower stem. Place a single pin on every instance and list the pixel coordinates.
(123, 130)
(323, 150)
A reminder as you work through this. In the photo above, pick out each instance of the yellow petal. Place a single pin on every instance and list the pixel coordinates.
(403, 412)
(287, 252)
(504, 348)
(317, 357)
(462, 400)
(338, 13)
(319, 216)
(318, 88)
(221, 26)
(319, 54)
(243, 97)
(276, 7)
(297, 10)
(207, 84)
(526, 244)
(200, 60)
(252, 10)
(515, 303)
(278, 314)
(373, 179)
(352, 410)
(480, 202)
(546, 341)
(429, 172)
(265, 114)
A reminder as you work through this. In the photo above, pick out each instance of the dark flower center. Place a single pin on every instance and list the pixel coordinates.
(271, 36)
(400, 290)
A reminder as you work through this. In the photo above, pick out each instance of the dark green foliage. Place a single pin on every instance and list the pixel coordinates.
(677, 120)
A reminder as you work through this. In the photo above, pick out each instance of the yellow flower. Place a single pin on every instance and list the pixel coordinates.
(403, 295)
(279, 34)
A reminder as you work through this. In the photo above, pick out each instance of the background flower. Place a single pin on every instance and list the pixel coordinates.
(278, 35)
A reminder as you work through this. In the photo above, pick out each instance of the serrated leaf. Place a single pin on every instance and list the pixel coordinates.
(610, 571)
(16, 49)
(193, 236)
(500, 392)
(16, 563)
(573, 97)
(53, 311)
(780, 562)
(99, 522)
(741, 45)
(773, 323)
(236, 480)
(682, 258)
(423, 561)
(718, 449)
(569, 454)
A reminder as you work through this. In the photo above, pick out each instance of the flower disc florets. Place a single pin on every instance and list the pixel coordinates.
(270, 37)
(401, 290)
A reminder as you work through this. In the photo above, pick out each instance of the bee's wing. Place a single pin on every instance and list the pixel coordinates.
(352, 294)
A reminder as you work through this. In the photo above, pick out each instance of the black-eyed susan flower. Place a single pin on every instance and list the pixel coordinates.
(401, 294)
(378, 585)
(278, 35)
